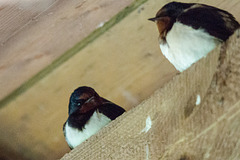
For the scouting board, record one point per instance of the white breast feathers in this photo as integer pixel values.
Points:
(186, 45)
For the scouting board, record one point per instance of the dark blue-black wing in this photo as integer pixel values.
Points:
(111, 110)
(216, 22)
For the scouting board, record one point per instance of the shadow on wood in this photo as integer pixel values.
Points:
(194, 116)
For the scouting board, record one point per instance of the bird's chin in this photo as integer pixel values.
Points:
(161, 40)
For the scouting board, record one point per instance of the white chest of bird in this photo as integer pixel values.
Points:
(186, 45)
(75, 136)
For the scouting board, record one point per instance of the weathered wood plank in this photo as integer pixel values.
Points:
(210, 130)
(123, 65)
(35, 33)
(16, 14)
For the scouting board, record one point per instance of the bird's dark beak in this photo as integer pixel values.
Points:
(93, 101)
(91, 104)
(152, 19)
(90, 99)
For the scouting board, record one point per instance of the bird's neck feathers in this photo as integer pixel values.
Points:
(164, 24)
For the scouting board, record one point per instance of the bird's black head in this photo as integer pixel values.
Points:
(166, 17)
(171, 10)
(83, 98)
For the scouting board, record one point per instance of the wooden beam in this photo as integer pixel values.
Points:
(124, 65)
(160, 127)
(117, 70)
(36, 33)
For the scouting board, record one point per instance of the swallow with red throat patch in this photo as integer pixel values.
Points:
(189, 31)
(88, 113)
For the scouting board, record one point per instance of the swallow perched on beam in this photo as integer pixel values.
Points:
(88, 113)
(189, 31)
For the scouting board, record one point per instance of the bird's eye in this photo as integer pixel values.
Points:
(79, 102)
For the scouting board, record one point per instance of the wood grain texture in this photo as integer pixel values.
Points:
(107, 65)
(35, 33)
(211, 129)
(124, 65)
(15, 14)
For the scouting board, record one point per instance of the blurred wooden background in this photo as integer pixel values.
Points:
(34, 33)
(124, 65)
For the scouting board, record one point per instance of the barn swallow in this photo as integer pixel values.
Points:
(189, 31)
(87, 114)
